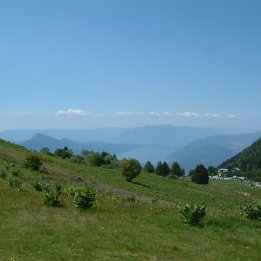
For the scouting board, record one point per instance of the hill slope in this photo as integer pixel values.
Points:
(249, 161)
(146, 228)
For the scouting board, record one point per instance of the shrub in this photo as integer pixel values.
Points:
(43, 170)
(33, 161)
(252, 211)
(38, 186)
(70, 192)
(84, 197)
(57, 187)
(14, 183)
(52, 197)
(199, 175)
(64, 153)
(192, 214)
(16, 172)
(131, 199)
(130, 168)
(2, 174)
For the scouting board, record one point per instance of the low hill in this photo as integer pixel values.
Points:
(38, 141)
(137, 220)
(249, 161)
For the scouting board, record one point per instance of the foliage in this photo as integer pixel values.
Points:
(52, 197)
(148, 167)
(64, 153)
(176, 170)
(46, 150)
(98, 159)
(33, 161)
(78, 159)
(94, 159)
(251, 211)
(199, 175)
(70, 192)
(2, 174)
(84, 197)
(38, 186)
(16, 172)
(162, 169)
(212, 171)
(130, 168)
(131, 198)
(15, 183)
(193, 214)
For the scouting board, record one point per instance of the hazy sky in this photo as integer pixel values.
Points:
(84, 64)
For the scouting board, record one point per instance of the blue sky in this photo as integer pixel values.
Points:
(87, 64)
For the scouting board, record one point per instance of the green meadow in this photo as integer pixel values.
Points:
(138, 220)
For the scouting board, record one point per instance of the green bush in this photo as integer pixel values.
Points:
(52, 197)
(252, 211)
(14, 183)
(70, 192)
(192, 214)
(2, 174)
(33, 161)
(16, 172)
(38, 186)
(131, 199)
(84, 197)
(130, 168)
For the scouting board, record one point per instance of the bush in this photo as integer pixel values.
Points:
(70, 192)
(16, 172)
(52, 197)
(84, 197)
(199, 175)
(2, 174)
(14, 183)
(252, 211)
(130, 169)
(33, 161)
(131, 199)
(38, 186)
(64, 153)
(192, 214)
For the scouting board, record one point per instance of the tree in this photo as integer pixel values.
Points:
(176, 170)
(63, 153)
(45, 150)
(162, 169)
(212, 171)
(33, 161)
(130, 168)
(148, 167)
(199, 175)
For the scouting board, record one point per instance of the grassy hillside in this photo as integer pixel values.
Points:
(249, 161)
(119, 227)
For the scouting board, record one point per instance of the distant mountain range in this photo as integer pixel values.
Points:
(187, 145)
(38, 141)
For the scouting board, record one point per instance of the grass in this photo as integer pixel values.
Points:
(119, 228)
